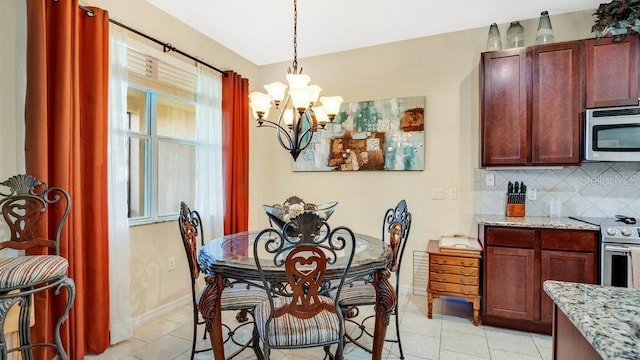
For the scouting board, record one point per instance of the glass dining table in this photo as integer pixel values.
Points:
(231, 257)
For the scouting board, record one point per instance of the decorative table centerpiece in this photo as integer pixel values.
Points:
(280, 215)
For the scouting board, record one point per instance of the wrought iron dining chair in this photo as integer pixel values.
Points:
(28, 200)
(296, 314)
(238, 295)
(360, 292)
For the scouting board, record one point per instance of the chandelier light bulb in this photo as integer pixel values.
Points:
(301, 97)
(320, 114)
(331, 105)
(260, 104)
(315, 93)
(288, 117)
(298, 80)
(276, 90)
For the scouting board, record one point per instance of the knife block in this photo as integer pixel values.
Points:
(516, 210)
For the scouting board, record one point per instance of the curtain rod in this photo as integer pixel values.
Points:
(166, 47)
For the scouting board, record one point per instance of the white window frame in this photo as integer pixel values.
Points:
(151, 196)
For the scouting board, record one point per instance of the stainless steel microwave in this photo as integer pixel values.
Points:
(613, 134)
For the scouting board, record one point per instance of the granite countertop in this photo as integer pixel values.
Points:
(602, 314)
(535, 222)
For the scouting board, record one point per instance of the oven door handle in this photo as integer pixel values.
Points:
(617, 248)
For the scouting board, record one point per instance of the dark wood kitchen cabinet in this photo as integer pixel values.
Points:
(566, 255)
(531, 105)
(557, 103)
(517, 261)
(612, 72)
(505, 111)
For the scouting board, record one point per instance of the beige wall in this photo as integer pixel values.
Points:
(442, 68)
(445, 70)
(12, 85)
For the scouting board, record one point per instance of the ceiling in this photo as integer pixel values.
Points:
(262, 30)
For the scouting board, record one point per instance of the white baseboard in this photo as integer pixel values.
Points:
(185, 300)
(162, 310)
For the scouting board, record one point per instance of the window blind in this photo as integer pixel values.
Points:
(151, 72)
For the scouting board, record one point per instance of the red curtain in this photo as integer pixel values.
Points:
(235, 155)
(66, 146)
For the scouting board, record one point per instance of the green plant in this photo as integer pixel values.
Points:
(617, 18)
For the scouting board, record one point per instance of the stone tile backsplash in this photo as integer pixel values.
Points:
(593, 190)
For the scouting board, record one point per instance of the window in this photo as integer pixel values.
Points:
(161, 138)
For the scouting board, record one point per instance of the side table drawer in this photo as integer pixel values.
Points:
(454, 279)
(453, 288)
(451, 269)
(456, 261)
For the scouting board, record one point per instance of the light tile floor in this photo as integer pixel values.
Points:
(450, 335)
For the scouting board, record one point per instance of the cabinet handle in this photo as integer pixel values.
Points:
(467, 281)
(440, 261)
(467, 273)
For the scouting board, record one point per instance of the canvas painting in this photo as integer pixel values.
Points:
(374, 135)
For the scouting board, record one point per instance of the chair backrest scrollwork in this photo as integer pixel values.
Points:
(305, 257)
(395, 228)
(23, 207)
(190, 226)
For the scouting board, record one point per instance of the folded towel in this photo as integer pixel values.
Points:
(635, 267)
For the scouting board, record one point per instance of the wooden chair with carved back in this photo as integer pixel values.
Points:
(30, 210)
(238, 296)
(294, 264)
(360, 292)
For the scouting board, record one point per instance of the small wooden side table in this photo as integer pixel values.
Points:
(455, 274)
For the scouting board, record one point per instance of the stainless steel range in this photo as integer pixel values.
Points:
(618, 236)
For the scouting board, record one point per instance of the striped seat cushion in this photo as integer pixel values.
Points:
(31, 270)
(290, 331)
(358, 294)
(239, 297)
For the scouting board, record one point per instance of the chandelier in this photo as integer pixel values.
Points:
(298, 114)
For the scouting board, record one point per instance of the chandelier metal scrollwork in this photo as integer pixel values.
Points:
(299, 115)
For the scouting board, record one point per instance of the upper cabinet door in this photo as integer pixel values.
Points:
(612, 72)
(505, 84)
(556, 104)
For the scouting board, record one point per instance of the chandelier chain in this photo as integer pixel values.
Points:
(295, 37)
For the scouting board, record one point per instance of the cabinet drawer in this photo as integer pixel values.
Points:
(453, 288)
(454, 279)
(573, 240)
(457, 261)
(451, 269)
(504, 236)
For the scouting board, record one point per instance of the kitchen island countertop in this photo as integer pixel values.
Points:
(535, 222)
(602, 314)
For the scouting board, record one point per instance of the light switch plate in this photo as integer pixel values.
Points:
(437, 193)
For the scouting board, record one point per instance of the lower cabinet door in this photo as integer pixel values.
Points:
(510, 282)
(564, 266)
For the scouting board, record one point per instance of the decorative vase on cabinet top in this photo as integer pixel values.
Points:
(494, 42)
(545, 31)
(515, 35)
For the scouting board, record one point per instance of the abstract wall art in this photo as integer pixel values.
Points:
(376, 135)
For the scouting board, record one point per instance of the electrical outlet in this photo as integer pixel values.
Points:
(171, 263)
(532, 194)
(490, 180)
(453, 193)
